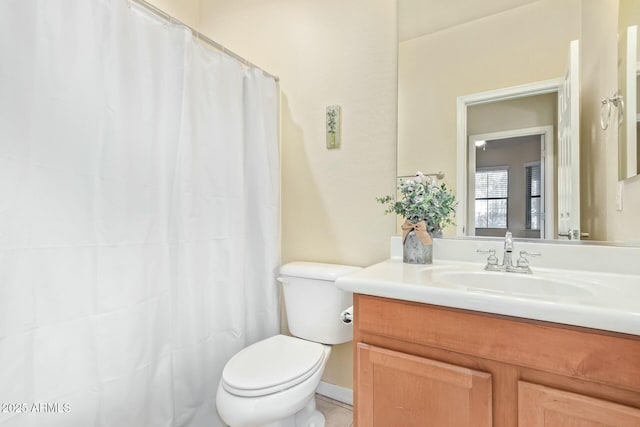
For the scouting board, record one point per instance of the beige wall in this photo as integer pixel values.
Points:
(600, 174)
(519, 113)
(599, 181)
(325, 53)
(623, 225)
(628, 14)
(598, 148)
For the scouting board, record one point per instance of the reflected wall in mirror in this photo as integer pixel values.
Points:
(628, 75)
(501, 44)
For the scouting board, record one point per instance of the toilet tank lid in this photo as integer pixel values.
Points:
(317, 270)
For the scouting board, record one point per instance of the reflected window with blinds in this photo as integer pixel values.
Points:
(492, 195)
(533, 196)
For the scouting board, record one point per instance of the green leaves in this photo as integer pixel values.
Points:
(331, 120)
(423, 199)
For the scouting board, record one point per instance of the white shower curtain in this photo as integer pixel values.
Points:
(139, 235)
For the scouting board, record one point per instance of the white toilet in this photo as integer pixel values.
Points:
(272, 383)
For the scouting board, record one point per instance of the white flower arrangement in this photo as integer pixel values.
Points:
(423, 200)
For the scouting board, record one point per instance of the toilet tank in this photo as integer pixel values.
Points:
(313, 303)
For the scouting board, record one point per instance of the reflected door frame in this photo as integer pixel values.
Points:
(547, 231)
(463, 102)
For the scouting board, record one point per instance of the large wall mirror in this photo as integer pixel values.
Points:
(459, 50)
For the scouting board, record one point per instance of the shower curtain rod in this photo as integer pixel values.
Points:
(198, 35)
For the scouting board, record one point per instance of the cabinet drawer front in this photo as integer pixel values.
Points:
(580, 353)
(540, 406)
(396, 388)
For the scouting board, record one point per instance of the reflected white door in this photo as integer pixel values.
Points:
(569, 149)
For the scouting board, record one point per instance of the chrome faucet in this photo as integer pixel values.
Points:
(507, 263)
(522, 264)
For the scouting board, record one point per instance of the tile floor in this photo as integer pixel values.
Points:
(336, 414)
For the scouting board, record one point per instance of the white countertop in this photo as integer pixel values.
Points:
(606, 301)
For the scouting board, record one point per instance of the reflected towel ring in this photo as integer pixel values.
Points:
(605, 110)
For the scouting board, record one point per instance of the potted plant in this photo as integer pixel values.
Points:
(427, 208)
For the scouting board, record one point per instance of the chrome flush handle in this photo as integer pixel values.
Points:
(346, 316)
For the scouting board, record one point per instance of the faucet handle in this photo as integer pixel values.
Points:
(492, 259)
(525, 253)
(524, 262)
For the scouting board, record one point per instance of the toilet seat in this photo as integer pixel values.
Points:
(272, 365)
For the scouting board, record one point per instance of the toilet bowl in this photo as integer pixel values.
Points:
(272, 383)
(278, 385)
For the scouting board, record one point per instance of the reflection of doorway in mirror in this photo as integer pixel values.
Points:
(508, 183)
(542, 104)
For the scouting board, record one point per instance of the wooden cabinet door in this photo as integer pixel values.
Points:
(398, 389)
(540, 406)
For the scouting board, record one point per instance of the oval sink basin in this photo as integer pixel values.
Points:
(513, 284)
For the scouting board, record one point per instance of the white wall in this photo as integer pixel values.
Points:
(325, 53)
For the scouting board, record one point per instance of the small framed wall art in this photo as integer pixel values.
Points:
(333, 126)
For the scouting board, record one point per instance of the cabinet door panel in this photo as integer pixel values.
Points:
(400, 389)
(540, 406)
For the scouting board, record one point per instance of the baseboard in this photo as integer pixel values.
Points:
(332, 391)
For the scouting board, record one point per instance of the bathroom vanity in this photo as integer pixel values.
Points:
(455, 367)
(428, 349)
